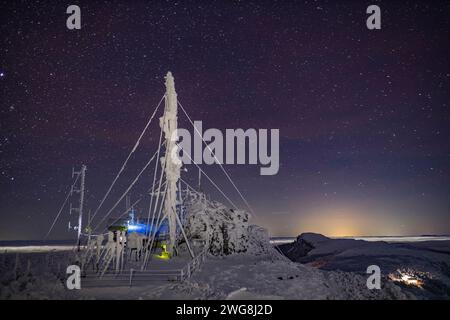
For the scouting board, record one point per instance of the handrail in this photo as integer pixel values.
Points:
(177, 274)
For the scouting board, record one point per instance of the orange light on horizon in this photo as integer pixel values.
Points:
(335, 222)
(344, 219)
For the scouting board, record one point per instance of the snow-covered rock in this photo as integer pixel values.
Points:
(303, 245)
(225, 231)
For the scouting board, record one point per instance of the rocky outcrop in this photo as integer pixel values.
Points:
(302, 245)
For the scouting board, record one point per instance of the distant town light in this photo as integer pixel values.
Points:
(410, 278)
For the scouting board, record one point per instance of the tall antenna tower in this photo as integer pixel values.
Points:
(80, 190)
(170, 163)
(171, 167)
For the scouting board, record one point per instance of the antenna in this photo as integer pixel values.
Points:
(80, 190)
(171, 166)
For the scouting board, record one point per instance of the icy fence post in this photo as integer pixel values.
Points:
(189, 270)
(181, 274)
(131, 276)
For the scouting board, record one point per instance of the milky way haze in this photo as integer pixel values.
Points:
(363, 115)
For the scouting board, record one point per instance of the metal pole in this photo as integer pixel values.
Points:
(80, 212)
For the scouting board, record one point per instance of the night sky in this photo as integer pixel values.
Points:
(363, 115)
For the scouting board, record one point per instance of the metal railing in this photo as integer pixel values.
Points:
(193, 265)
(130, 276)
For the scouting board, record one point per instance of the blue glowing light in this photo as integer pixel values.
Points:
(138, 227)
(144, 228)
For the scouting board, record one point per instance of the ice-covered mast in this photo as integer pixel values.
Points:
(171, 163)
(80, 190)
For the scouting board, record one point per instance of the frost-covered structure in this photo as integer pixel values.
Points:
(223, 230)
(170, 164)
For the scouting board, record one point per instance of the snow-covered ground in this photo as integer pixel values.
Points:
(332, 269)
(428, 262)
(236, 276)
(239, 276)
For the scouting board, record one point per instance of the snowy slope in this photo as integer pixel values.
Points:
(430, 258)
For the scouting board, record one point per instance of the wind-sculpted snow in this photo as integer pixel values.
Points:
(225, 231)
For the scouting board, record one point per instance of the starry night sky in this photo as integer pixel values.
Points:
(363, 115)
